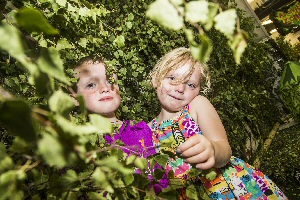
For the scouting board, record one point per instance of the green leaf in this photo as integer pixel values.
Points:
(291, 73)
(20, 146)
(73, 129)
(69, 178)
(63, 44)
(191, 192)
(113, 163)
(33, 20)
(130, 159)
(102, 123)
(165, 14)
(99, 175)
(210, 174)
(61, 2)
(161, 159)
(141, 163)
(203, 51)
(11, 42)
(61, 103)
(16, 115)
(197, 11)
(128, 179)
(6, 162)
(50, 63)
(213, 10)
(173, 185)
(82, 42)
(119, 41)
(225, 22)
(52, 151)
(9, 182)
(158, 173)
(238, 46)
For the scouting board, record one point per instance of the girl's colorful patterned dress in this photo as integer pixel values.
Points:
(236, 180)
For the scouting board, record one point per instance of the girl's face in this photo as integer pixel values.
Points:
(174, 96)
(100, 95)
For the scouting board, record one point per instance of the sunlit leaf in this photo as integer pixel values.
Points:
(61, 103)
(166, 14)
(141, 163)
(61, 2)
(202, 52)
(113, 163)
(99, 175)
(102, 123)
(213, 10)
(11, 42)
(225, 22)
(238, 45)
(119, 41)
(51, 63)
(63, 44)
(33, 20)
(197, 11)
(52, 151)
(73, 129)
(23, 125)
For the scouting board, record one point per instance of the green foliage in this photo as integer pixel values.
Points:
(47, 153)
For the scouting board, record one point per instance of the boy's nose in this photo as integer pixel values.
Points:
(104, 88)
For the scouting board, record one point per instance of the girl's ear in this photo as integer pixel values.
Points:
(154, 82)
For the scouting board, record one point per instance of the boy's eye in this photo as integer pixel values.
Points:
(91, 85)
(109, 81)
(191, 85)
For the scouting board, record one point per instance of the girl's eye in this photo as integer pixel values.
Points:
(91, 85)
(171, 78)
(191, 85)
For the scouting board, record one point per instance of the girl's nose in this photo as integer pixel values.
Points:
(180, 88)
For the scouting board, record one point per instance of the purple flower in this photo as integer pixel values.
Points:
(137, 139)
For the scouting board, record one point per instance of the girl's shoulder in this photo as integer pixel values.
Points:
(200, 106)
(199, 102)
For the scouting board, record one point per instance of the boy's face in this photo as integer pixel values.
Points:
(100, 95)
(174, 96)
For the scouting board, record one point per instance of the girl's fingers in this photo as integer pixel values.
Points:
(197, 158)
(206, 165)
(193, 151)
(189, 143)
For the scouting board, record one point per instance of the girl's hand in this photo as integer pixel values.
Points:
(198, 150)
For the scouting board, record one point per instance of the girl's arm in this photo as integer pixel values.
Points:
(212, 148)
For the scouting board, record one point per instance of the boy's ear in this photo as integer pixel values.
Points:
(73, 95)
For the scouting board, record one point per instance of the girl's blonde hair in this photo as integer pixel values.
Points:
(175, 59)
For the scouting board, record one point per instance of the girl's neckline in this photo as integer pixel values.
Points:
(155, 120)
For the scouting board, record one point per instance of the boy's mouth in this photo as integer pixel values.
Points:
(106, 98)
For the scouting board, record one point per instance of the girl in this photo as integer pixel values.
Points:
(189, 125)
